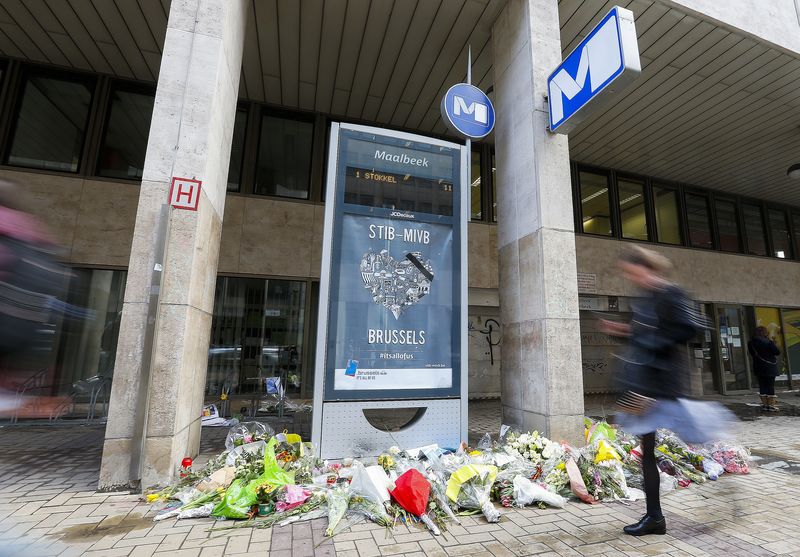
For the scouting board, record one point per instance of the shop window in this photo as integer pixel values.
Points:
(475, 187)
(754, 229)
(595, 203)
(698, 218)
(237, 150)
(87, 347)
(632, 209)
(779, 230)
(284, 157)
(727, 225)
(771, 319)
(668, 228)
(50, 124)
(125, 139)
(77, 350)
(257, 333)
(791, 331)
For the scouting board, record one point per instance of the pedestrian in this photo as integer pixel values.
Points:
(32, 283)
(765, 365)
(654, 375)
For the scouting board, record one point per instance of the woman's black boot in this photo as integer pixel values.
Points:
(648, 525)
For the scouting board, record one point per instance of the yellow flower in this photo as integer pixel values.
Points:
(152, 497)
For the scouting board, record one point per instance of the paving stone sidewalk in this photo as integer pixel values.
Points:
(48, 506)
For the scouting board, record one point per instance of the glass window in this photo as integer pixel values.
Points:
(284, 157)
(796, 231)
(50, 123)
(257, 332)
(727, 225)
(698, 218)
(791, 330)
(668, 228)
(237, 150)
(632, 209)
(754, 229)
(125, 139)
(595, 203)
(781, 239)
(475, 187)
(494, 190)
(73, 354)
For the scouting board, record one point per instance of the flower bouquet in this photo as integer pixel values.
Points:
(533, 446)
(733, 458)
(338, 499)
(470, 487)
(412, 491)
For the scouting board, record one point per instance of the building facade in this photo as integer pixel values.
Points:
(102, 105)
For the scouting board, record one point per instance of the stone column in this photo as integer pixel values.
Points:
(190, 137)
(542, 383)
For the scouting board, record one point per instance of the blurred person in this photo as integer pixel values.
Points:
(31, 282)
(765, 354)
(654, 375)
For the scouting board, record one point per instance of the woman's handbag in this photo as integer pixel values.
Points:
(634, 403)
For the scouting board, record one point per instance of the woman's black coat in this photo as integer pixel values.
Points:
(656, 363)
(765, 356)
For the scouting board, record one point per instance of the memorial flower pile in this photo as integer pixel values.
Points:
(264, 479)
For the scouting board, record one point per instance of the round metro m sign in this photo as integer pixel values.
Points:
(468, 111)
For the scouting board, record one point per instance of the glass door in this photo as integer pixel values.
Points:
(705, 379)
(732, 345)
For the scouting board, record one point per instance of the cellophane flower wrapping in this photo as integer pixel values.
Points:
(470, 487)
(735, 459)
(338, 500)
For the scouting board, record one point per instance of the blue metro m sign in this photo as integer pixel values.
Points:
(608, 55)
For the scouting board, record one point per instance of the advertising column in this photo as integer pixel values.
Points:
(392, 304)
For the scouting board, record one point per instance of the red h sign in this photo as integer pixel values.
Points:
(184, 193)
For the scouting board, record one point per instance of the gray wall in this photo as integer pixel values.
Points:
(709, 276)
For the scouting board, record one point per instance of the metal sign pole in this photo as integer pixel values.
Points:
(469, 141)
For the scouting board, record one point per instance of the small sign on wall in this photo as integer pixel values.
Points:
(587, 283)
(184, 193)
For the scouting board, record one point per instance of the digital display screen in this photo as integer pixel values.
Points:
(402, 192)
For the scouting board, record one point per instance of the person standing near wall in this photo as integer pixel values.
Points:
(765, 354)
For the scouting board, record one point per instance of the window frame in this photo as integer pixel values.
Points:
(246, 108)
(743, 201)
(715, 219)
(648, 205)
(705, 194)
(787, 217)
(24, 71)
(681, 209)
(110, 87)
(794, 213)
(271, 111)
(612, 199)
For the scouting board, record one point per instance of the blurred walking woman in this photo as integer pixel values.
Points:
(765, 365)
(654, 374)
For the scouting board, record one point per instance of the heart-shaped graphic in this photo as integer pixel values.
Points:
(397, 285)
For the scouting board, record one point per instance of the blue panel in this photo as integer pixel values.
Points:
(583, 79)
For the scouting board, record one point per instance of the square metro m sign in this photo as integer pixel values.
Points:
(608, 55)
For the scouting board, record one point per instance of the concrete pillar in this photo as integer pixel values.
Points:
(542, 383)
(190, 137)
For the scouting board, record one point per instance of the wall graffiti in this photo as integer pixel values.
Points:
(596, 366)
(491, 330)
